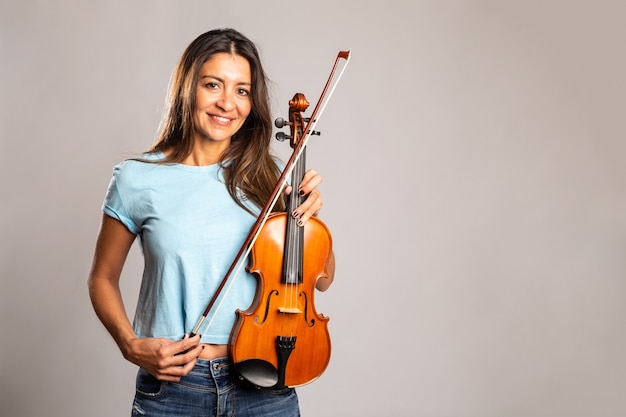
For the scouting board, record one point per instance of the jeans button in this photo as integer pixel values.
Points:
(216, 366)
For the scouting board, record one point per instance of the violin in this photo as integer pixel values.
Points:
(281, 340)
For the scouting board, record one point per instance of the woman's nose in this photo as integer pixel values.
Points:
(225, 102)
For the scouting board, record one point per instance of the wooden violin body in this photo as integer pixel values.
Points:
(281, 340)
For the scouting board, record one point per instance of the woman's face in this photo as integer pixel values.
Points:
(223, 98)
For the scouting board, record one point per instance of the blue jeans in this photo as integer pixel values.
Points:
(210, 389)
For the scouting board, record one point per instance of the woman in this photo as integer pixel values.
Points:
(192, 200)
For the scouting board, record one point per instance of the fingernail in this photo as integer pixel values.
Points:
(301, 192)
(300, 223)
(295, 214)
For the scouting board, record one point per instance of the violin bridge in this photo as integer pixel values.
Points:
(290, 310)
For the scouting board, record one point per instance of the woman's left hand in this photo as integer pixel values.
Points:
(312, 205)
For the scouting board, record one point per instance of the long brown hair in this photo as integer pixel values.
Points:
(250, 170)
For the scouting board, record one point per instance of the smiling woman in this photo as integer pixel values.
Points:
(192, 199)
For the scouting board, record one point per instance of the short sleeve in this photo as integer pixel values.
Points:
(113, 205)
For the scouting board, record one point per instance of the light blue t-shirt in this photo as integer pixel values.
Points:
(190, 231)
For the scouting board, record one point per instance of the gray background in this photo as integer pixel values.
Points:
(473, 158)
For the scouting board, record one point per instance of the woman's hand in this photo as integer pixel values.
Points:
(312, 205)
(164, 359)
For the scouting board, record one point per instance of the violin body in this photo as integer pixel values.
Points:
(281, 340)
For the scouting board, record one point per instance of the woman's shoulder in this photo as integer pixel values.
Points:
(142, 161)
(137, 167)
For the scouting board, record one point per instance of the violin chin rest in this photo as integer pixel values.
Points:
(258, 372)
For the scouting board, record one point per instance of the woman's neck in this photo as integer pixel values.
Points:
(206, 153)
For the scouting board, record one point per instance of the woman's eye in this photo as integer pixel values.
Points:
(244, 92)
(212, 85)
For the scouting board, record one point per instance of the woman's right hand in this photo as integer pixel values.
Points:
(164, 359)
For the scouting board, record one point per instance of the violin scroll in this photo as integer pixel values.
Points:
(296, 122)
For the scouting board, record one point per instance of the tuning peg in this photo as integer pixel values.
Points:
(282, 136)
(280, 122)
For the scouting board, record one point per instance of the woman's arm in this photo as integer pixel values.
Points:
(322, 284)
(163, 358)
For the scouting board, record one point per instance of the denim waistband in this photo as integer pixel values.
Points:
(216, 367)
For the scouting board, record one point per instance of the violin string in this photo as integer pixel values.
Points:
(288, 264)
(292, 254)
(298, 253)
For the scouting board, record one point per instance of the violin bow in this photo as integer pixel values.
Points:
(246, 247)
